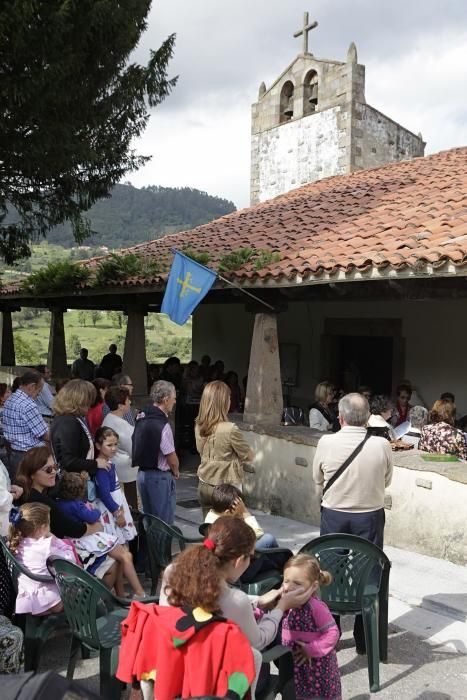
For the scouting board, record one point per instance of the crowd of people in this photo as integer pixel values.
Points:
(436, 430)
(81, 463)
(76, 477)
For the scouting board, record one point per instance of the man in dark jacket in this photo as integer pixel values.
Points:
(154, 453)
(111, 363)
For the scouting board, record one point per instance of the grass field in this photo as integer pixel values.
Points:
(163, 338)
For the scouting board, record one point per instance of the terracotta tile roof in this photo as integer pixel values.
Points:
(405, 218)
(402, 216)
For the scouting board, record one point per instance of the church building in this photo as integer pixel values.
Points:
(357, 265)
(314, 122)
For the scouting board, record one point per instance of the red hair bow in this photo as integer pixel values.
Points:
(209, 544)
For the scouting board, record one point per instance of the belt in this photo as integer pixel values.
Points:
(20, 452)
(156, 469)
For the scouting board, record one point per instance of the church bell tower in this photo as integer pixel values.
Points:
(314, 122)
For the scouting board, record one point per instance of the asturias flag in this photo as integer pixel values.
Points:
(188, 284)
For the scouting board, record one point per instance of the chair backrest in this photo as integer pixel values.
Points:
(204, 528)
(357, 566)
(84, 599)
(160, 538)
(16, 568)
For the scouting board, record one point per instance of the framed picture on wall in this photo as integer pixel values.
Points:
(289, 357)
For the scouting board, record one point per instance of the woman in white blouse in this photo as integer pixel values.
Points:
(118, 400)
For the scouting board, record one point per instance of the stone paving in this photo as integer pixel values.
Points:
(427, 612)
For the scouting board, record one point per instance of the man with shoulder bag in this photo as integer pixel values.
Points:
(355, 468)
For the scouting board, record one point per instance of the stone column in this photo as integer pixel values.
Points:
(7, 353)
(56, 356)
(134, 353)
(263, 402)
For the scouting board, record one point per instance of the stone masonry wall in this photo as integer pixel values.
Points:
(377, 139)
(298, 152)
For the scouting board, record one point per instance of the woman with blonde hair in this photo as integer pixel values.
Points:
(221, 445)
(70, 439)
(321, 415)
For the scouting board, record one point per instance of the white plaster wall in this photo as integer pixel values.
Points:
(429, 521)
(434, 331)
(298, 152)
(279, 484)
(435, 341)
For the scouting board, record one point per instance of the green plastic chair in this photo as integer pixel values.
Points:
(266, 580)
(160, 538)
(94, 614)
(360, 586)
(36, 628)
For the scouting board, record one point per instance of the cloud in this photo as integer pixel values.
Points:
(421, 90)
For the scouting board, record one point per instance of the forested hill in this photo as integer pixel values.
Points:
(133, 215)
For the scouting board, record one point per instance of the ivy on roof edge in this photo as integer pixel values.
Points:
(259, 257)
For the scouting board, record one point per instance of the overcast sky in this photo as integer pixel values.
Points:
(415, 53)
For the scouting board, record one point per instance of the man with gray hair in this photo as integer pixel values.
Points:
(354, 502)
(154, 453)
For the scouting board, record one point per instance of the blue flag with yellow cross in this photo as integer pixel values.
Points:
(188, 284)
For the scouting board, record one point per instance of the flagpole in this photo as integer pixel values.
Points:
(232, 284)
(241, 289)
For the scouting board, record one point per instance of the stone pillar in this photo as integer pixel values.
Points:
(7, 352)
(134, 353)
(263, 402)
(56, 356)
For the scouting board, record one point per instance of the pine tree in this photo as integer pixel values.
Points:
(71, 104)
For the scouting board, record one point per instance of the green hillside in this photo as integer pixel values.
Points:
(129, 216)
(133, 215)
(95, 330)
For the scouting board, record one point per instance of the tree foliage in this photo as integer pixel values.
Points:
(134, 215)
(71, 106)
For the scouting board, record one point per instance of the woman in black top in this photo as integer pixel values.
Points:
(36, 474)
(70, 439)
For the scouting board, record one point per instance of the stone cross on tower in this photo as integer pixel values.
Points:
(304, 30)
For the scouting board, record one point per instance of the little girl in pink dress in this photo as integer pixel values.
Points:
(312, 633)
(31, 542)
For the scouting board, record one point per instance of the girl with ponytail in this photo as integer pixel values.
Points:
(31, 542)
(200, 577)
(312, 632)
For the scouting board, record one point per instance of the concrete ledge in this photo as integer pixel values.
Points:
(301, 435)
(425, 504)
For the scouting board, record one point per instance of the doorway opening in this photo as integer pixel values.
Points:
(356, 351)
(367, 360)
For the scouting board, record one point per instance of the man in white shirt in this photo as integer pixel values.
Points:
(354, 504)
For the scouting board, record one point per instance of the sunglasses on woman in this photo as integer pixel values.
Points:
(49, 469)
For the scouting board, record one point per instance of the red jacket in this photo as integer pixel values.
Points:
(189, 653)
(95, 417)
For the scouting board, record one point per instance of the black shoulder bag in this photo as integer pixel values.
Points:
(344, 466)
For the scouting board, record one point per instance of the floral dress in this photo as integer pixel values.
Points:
(442, 438)
(314, 625)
